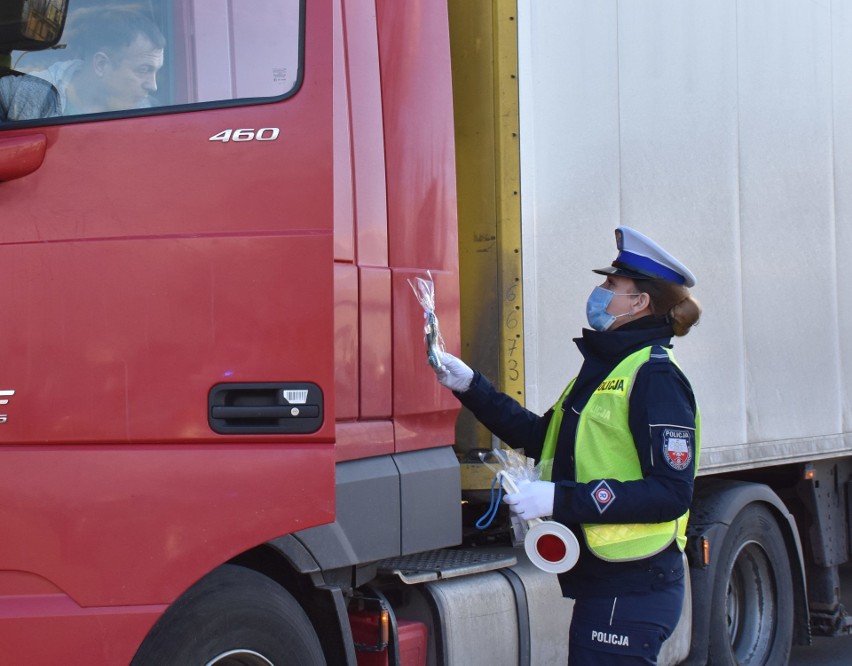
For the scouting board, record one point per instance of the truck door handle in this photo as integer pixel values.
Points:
(260, 412)
(21, 155)
(265, 408)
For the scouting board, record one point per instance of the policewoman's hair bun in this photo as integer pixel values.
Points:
(684, 315)
(672, 301)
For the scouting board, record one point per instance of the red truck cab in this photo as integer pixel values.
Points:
(211, 353)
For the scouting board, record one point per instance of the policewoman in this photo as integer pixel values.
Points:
(622, 443)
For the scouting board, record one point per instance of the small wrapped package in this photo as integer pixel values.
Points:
(424, 290)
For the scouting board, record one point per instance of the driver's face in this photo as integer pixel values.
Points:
(130, 74)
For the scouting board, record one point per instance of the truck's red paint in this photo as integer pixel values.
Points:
(145, 264)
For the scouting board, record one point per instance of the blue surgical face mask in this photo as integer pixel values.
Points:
(599, 318)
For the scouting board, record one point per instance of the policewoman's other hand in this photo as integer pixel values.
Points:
(454, 373)
(534, 499)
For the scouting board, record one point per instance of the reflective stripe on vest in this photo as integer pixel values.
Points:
(605, 419)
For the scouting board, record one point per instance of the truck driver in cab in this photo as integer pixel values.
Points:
(119, 52)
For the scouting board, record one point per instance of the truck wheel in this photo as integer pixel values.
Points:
(233, 617)
(751, 613)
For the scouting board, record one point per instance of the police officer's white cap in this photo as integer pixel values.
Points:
(641, 258)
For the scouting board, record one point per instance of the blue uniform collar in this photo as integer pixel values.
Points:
(614, 345)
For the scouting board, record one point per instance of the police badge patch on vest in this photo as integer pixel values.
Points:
(677, 447)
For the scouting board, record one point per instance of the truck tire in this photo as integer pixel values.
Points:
(751, 613)
(232, 617)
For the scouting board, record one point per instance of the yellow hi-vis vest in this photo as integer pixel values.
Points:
(605, 449)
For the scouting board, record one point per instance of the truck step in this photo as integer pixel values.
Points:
(441, 564)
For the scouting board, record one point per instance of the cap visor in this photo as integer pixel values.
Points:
(612, 270)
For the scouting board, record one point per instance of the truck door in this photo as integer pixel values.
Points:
(166, 254)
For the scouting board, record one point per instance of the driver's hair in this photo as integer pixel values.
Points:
(108, 29)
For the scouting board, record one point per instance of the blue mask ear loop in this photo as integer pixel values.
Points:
(488, 517)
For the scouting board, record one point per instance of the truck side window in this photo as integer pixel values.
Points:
(137, 57)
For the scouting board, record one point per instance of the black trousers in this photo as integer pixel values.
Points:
(625, 630)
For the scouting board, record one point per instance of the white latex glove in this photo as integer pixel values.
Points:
(454, 373)
(533, 499)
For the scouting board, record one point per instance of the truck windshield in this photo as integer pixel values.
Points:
(142, 56)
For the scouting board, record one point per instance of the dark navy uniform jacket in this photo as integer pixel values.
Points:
(661, 398)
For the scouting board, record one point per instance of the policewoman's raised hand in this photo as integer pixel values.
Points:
(534, 499)
(454, 373)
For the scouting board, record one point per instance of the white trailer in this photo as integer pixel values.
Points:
(725, 130)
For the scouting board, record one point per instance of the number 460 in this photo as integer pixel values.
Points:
(263, 134)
